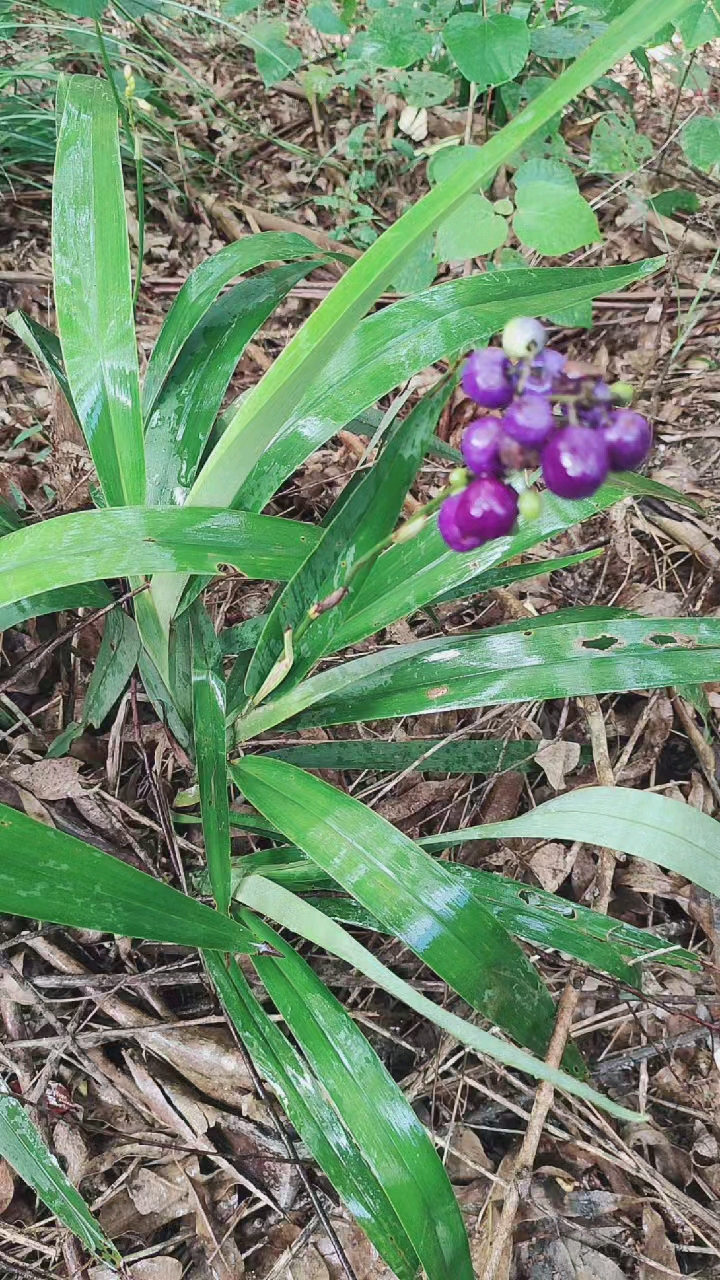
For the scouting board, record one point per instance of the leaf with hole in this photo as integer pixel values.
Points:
(616, 146)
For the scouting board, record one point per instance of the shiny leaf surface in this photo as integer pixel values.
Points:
(299, 915)
(415, 897)
(323, 1130)
(501, 664)
(391, 1138)
(23, 1147)
(89, 595)
(185, 409)
(427, 755)
(93, 295)
(202, 288)
(114, 543)
(408, 336)
(47, 875)
(208, 712)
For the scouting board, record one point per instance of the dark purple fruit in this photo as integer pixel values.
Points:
(486, 378)
(545, 370)
(447, 524)
(628, 437)
(481, 446)
(487, 509)
(575, 462)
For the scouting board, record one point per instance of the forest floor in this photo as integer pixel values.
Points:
(121, 1047)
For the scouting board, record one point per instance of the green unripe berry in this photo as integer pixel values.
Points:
(529, 504)
(523, 337)
(458, 479)
(622, 392)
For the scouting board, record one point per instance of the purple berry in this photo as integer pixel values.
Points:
(545, 370)
(481, 446)
(529, 420)
(486, 378)
(487, 509)
(523, 337)
(447, 524)
(628, 437)
(575, 462)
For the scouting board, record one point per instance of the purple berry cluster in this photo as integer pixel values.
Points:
(553, 411)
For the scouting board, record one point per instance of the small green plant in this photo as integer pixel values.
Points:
(181, 489)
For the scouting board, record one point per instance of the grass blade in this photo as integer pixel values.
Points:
(427, 755)
(117, 658)
(389, 1134)
(93, 294)
(415, 897)
(23, 1148)
(185, 409)
(302, 918)
(119, 542)
(201, 289)
(513, 663)
(47, 875)
(208, 712)
(641, 823)
(320, 1126)
(363, 520)
(88, 595)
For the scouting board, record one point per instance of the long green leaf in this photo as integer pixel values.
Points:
(93, 296)
(202, 288)
(503, 664)
(118, 542)
(293, 913)
(321, 1127)
(208, 711)
(257, 421)
(392, 1139)
(89, 595)
(641, 823)
(185, 408)
(45, 346)
(23, 1147)
(394, 344)
(429, 755)
(47, 875)
(117, 657)
(362, 521)
(506, 574)
(415, 897)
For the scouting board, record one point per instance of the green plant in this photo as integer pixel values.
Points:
(175, 504)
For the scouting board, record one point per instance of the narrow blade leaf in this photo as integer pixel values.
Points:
(389, 1134)
(415, 897)
(202, 288)
(323, 1130)
(119, 542)
(93, 295)
(208, 711)
(641, 823)
(23, 1148)
(47, 875)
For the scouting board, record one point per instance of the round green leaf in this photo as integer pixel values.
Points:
(470, 231)
(551, 216)
(488, 51)
(699, 24)
(275, 58)
(616, 146)
(392, 40)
